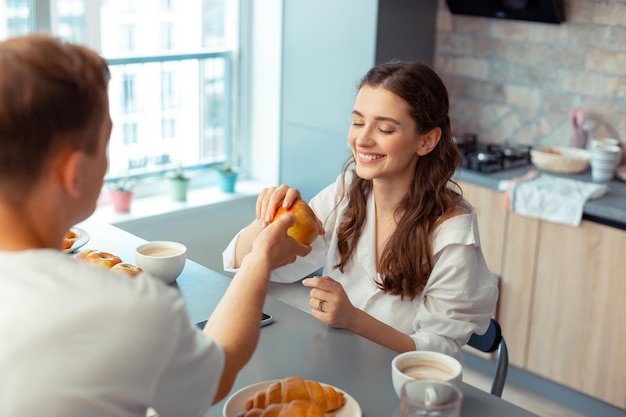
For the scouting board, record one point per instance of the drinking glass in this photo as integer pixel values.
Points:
(430, 398)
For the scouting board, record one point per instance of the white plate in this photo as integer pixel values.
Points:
(82, 237)
(237, 402)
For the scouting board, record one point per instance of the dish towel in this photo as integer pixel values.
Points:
(551, 198)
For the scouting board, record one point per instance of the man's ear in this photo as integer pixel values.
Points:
(429, 141)
(67, 166)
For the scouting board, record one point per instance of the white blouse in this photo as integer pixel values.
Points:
(458, 299)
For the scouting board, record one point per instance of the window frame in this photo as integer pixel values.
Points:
(41, 19)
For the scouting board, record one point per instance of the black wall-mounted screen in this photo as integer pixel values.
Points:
(547, 11)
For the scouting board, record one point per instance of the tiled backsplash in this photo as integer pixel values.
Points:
(518, 81)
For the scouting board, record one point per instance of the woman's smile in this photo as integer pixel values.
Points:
(369, 157)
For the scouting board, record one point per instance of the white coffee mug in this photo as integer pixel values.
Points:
(162, 259)
(430, 398)
(421, 364)
(604, 142)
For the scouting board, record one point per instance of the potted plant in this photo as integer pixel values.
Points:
(179, 185)
(227, 178)
(122, 194)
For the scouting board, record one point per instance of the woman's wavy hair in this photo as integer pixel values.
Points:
(406, 261)
(53, 96)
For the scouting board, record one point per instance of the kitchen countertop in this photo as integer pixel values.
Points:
(609, 209)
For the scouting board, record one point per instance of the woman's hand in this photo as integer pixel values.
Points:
(271, 198)
(330, 303)
(267, 203)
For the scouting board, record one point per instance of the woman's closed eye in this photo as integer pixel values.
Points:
(384, 131)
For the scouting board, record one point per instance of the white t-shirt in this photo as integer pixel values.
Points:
(458, 299)
(76, 340)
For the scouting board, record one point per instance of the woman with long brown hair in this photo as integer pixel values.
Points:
(401, 253)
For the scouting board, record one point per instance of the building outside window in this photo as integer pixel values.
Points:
(129, 100)
(167, 36)
(130, 133)
(172, 83)
(18, 16)
(168, 90)
(168, 128)
(127, 39)
(166, 5)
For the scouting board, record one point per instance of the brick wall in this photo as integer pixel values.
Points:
(518, 81)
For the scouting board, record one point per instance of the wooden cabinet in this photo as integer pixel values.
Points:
(562, 296)
(577, 332)
(517, 284)
(491, 222)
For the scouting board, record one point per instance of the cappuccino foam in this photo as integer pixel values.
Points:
(160, 251)
(428, 369)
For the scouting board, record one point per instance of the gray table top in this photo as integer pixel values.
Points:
(298, 344)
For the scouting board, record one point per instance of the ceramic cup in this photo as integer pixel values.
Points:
(419, 398)
(604, 160)
(419, 365)
(162, 259)
(604, 142)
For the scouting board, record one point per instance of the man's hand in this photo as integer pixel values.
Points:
(278, 248)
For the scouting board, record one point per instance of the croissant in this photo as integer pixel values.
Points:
(295, 388)
(295, 408)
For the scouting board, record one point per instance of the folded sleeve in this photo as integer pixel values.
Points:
(228, 256)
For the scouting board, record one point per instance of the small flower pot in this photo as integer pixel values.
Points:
(227, 181)
(121, 200)
(179, 188)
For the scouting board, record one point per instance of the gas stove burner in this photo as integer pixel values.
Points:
(491, 157)
(466, 143)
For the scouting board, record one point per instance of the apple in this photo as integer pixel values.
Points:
(305, 229)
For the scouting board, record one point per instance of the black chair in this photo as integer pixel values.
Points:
(490, 342)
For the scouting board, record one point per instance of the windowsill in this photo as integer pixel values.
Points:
(151, 206)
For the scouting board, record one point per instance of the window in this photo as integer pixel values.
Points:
(127, 38)
(17, 20)
(168, 90)
(166, 5)
(129, 103)
(172, 65)
(130, 133)
(167, 42)
(168, 128)
(71, 20)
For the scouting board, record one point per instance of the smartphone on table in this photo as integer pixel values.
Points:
(265, 320)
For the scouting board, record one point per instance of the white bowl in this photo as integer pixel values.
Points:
(162, 259)
(422, 364)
